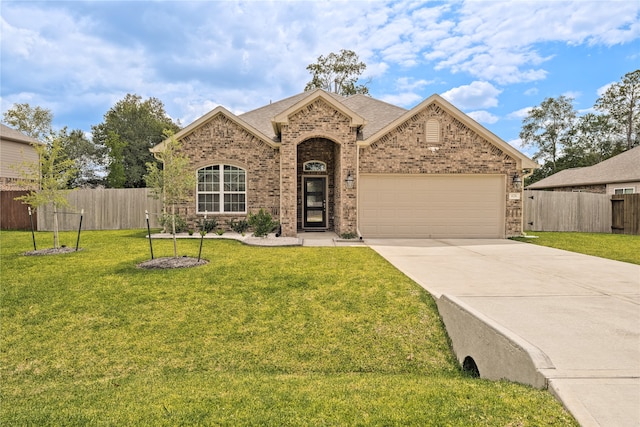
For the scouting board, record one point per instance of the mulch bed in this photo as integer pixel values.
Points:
(180, 262)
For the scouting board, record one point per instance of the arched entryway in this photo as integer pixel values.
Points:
(317, 160)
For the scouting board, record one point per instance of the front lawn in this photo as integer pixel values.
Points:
(620, 247)
(259, 336)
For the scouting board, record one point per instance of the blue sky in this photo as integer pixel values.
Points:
(492, 59)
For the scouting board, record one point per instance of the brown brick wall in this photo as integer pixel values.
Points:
(222, 141)
(323, 150)
(459, 151)
(14, 184)
(320, 132)
(318, 120)
(599, 189)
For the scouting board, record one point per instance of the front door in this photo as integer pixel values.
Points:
(315, 202)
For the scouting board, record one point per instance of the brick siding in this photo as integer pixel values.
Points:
(459, 150)
(222, 141)
(319, 131)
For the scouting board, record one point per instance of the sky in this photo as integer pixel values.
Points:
(492, 59)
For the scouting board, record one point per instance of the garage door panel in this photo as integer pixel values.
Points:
(431, 206)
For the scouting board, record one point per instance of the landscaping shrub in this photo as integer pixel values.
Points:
(262, 223)
(239, 225)
(207, 225)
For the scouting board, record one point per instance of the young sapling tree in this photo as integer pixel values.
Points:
(174, 181)
(48, 180)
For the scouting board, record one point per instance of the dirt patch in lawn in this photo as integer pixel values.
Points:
(171, 262)
(51, 251)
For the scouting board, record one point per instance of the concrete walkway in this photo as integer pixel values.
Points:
(326, 238)
(582, 312)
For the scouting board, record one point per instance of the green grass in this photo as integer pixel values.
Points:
(619, 247)
(259, 336)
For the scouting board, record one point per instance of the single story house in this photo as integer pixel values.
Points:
(617, 175)
(15, 148)
(356, 165)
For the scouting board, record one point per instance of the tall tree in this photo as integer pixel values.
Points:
(85, 155)
(32, 121)
(75, 146)
(52, 173)
(594, 141)
(337, 73)
(549, 127)
(174, 181)
(621, 101)
(138, 125)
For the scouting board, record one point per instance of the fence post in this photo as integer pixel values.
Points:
(33, 235)
(146, 214)
(79, 228)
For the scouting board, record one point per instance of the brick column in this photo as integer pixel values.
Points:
(288, 187)
(348, 196)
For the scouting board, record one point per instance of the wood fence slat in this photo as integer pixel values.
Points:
(626, 214)
(14, 215)
(567, 211)
(104, 209)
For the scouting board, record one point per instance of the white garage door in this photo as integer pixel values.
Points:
(432, 206)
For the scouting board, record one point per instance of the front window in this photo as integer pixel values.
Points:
(221, 189)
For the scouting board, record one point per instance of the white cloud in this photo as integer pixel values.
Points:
(408, 83)
(475, 95)
(602, 89)
(519, 114)
(572, 94)
(482, 116)
(406, 99)
(498, 41)
(532, 91)
(85, 56)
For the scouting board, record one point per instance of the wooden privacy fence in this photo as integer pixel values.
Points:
(14, 215)
(625, 215)
(104, 209)
(567, 211)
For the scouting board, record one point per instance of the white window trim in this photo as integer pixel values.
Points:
(623, 190)
(221, 192)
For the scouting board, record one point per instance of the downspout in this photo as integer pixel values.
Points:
(358, 186)
(525, 174)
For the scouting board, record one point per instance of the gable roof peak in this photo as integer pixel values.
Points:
(333, 99)
(526, 163)
(219, 110)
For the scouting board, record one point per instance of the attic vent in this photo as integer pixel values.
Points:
(432, 131)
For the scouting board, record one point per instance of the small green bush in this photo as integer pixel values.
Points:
(262, 223)
(207, 225)
(239, 225)
(181, 223)
(350, 235)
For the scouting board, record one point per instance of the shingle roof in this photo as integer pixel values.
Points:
(621, 168)
(377, 113)
(11, 134)
(376, 118)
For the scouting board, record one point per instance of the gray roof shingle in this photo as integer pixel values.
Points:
(377, 113)
(621, 168)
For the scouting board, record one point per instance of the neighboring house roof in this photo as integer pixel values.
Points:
(374, 117)
(10, 134)
(621, 168)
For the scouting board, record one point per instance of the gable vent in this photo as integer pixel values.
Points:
(432, 131)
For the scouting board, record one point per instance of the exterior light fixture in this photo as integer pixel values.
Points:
(348, 182)
(516, 181)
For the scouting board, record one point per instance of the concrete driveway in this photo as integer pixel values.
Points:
(581, 312)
